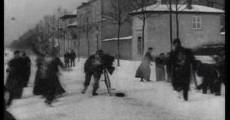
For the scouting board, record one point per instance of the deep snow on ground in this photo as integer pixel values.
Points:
(143, 100)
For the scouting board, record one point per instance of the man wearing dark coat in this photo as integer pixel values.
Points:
(67, 59)
(181, 61)
(210, 78)
(14, 81)
(93, 67)
(72, 58)
(26, 68)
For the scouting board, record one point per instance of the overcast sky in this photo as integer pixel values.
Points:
(28, 12)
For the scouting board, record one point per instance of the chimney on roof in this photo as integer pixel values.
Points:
(189, 4)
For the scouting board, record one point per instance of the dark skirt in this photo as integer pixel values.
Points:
(39, 85)
(160, 72)
(143, 70)
(53, 85)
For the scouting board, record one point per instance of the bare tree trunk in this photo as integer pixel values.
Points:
(170, 22)
(143, 28)
(87, 35)
(78, 48)
(118, 44)
(118, 34)
(177, 20)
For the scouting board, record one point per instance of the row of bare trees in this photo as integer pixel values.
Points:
(120, 14)
(44, 35)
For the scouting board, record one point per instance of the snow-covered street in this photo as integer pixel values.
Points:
(143, 100)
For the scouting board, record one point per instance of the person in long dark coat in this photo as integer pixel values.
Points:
(72, 58)
(181, 61)
(40, 77)
(67, 59)
(160, 67)
(26, 68)
(144, 70)
(53, 85)
(14, 81)
(210, 78)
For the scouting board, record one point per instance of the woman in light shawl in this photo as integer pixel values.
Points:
(144, 70)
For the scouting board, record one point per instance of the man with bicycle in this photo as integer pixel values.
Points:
(94, 66)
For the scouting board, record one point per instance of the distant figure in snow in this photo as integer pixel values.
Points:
(144, 70)
(67, 59)
(26, 64)
(181, 61)
(72, 58)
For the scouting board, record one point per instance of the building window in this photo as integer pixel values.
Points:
(139, 41)
(196, 22)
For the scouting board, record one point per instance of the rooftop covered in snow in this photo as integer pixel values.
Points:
(73, 25)
(69, 15)
(182, 8)
(121, 38)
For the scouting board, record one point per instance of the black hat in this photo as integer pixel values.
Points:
(100, 52)
(16, 52)
(177, 40)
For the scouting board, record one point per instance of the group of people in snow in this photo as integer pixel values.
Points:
(181, 66)
(46, 82)
(69, 58)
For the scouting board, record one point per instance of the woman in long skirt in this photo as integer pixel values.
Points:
(53, 84)
(40, 78)
(144, 70)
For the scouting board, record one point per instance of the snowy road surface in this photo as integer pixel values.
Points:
(143, 101)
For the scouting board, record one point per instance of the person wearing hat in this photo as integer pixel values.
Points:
(72, 58)
(93, 67)
(52, 84)
(181, 61)
(14, 82)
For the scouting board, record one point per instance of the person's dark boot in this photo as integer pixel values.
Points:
(95, 94)
(142, 80)
(48, 102)
(84, 90)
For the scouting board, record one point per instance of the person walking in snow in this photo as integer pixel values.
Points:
(144, 70)
(14, 82)
(67, 59)
(181, 60)
(52, 84)
(72, 58)
(40, 77)
(26, 68)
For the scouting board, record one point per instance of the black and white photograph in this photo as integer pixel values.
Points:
(114, 60)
